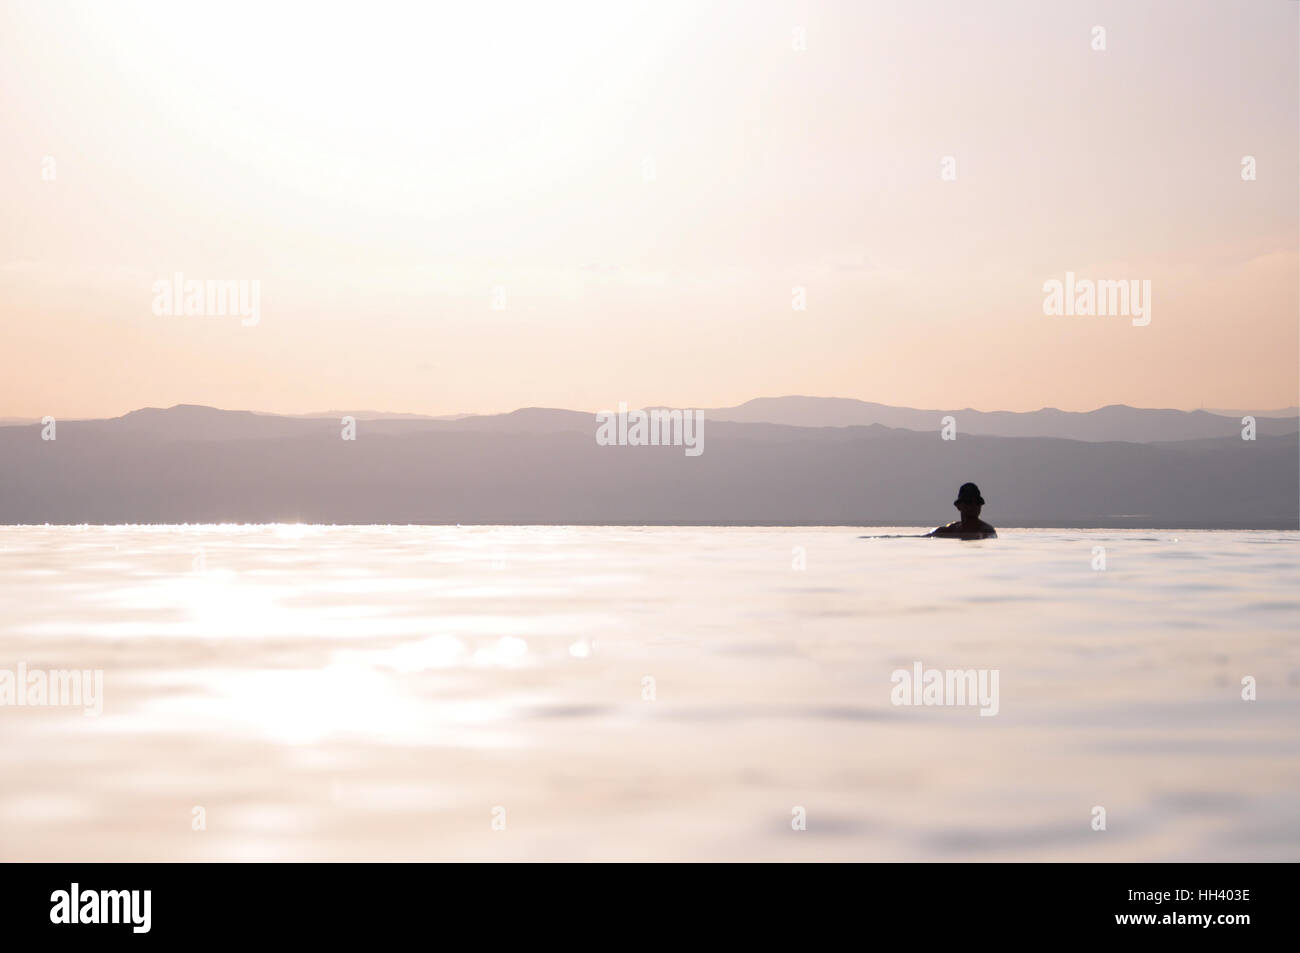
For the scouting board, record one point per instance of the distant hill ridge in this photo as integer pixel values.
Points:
(543, 466)
(1116, 422)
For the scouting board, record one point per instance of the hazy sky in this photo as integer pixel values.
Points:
(646, 183)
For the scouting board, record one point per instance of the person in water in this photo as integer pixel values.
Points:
(970, 526)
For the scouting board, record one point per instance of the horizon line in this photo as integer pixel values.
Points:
(17, 420)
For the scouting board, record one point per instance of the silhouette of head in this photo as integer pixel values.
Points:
(969, 502)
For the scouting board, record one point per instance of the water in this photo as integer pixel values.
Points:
(387, 693)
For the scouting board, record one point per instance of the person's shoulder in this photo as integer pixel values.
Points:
(985, 527)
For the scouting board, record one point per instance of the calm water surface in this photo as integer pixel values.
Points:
(659, 693)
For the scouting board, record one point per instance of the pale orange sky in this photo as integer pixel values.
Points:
(380, 172)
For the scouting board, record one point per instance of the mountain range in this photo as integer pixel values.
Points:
(782, 461)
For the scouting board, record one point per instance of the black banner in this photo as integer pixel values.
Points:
(140, 903)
